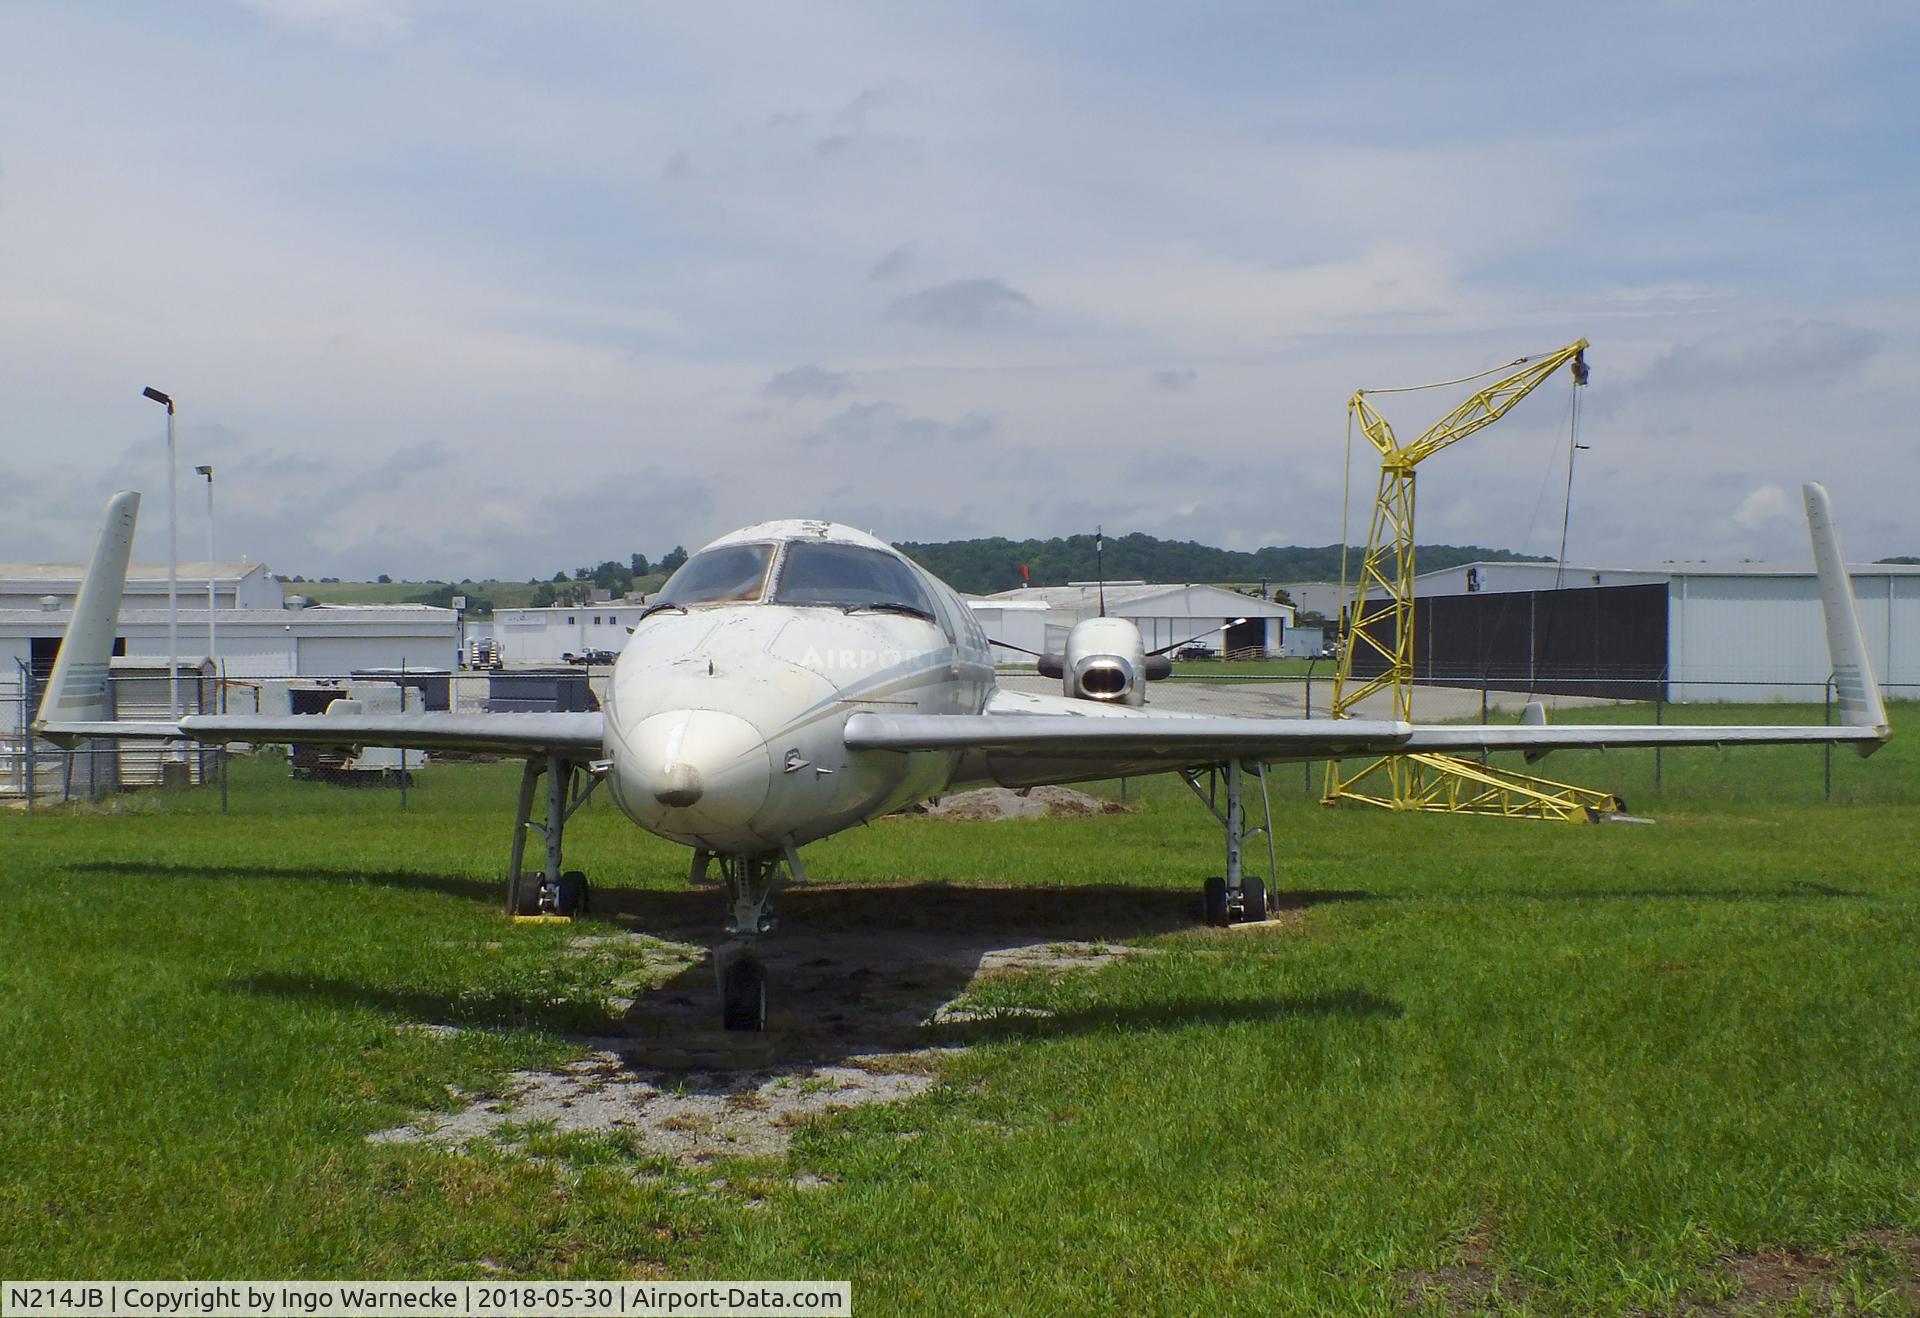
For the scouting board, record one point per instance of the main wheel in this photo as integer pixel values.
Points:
(743, 995)
(524, 899)
(1213, 900)
(572, 895)
(1253, 898)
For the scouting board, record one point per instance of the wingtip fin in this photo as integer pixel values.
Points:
(77, 691)
(1853, 679)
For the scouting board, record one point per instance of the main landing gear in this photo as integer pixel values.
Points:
(750, 882)
(1238, 897)
(549, 893)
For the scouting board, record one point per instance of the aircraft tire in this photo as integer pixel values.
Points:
(1213, 900)
(573, 894)
(743, 995)
(525, 897)
(1253, 899)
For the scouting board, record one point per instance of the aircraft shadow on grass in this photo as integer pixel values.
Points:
(450, 884)
(864, 970)
(642, 904)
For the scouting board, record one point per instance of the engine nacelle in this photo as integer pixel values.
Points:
(1106, 660)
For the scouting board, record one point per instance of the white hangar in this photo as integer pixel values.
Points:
(1039, 617)
(548, 634)
(1706, 631)
(257, 636)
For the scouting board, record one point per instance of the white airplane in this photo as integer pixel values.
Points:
(796, 678)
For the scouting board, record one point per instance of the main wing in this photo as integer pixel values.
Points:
(1035, 739)
(77, 705)
(574, 735)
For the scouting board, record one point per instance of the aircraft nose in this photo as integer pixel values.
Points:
(697, 769)
(678, 785)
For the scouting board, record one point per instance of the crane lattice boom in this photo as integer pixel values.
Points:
(1380, 618)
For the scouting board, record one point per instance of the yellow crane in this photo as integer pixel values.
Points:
(1380, 624)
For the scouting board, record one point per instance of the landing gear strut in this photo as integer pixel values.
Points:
(549, 892)
(750, 882)
(1239, 897)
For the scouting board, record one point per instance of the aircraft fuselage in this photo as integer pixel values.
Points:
(724, 723)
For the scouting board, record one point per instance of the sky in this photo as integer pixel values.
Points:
(448, 290)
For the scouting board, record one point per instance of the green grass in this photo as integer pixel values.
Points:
(1587, 1062)
(381, 592)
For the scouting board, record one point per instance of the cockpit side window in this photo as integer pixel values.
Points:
(730, 574)
(849, 576)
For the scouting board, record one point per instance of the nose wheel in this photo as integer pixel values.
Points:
(743, 994)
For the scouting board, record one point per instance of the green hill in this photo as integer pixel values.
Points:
(978, 567)
(983, 566)
(483, 597)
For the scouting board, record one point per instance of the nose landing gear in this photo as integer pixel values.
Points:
(750, 881)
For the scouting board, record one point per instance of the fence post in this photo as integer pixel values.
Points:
(1659, 717)
(1826, 693)
(403, 750)
(1306, 767)
(222, 703)
(26, 724)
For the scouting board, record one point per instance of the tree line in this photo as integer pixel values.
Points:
(612, 576)
(984, 565)
(577, 587)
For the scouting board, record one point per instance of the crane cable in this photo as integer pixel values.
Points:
(1465, 379)
(1566, 508)
(1526, 540)
(1346, 503)
(1560, 568)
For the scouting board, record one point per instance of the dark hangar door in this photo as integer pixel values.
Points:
(1592, 641)
(1249, 635)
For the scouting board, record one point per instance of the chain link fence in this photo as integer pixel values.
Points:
(34, 771)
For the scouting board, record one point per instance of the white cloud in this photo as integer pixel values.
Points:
(1762, 506)
(350, 230)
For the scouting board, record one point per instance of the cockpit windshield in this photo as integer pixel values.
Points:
(730, 574)
(851, 577)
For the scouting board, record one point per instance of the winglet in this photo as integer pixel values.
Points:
(77, 692)
(1534, 716)
(1853, 682)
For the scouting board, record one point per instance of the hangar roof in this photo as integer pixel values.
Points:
(1507, 575)
(1145, 600)
(70, 573)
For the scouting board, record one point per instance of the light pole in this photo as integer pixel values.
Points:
(213, 650)
(173, 564)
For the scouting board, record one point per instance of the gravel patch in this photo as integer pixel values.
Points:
(863, 1011)
(690, 1116)
(991, 803)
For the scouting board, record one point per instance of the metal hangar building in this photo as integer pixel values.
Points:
(1674, 631)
